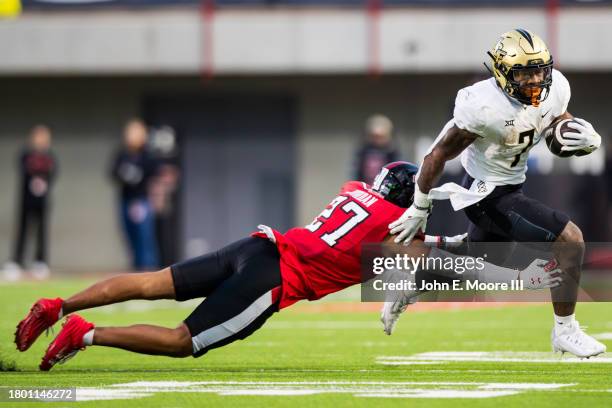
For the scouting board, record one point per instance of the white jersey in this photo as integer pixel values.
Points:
(507, 129)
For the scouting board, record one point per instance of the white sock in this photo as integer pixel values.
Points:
(564, 321)
(88, 338)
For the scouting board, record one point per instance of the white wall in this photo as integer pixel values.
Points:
(280, 40)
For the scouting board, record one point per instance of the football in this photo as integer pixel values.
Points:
(555, 138)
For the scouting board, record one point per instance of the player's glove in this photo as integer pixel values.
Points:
(413, 219)
(396, 301)
(585, 138)
(541, 274)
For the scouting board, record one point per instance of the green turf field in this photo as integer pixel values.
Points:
(440, 358)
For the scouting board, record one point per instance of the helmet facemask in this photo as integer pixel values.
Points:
(530, 94)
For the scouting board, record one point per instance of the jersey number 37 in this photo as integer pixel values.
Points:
(357, 216)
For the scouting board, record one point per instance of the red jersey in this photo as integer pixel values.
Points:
(325, 256)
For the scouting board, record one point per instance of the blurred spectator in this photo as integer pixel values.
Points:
(132, 170)
(37, 171)
(163, 193)
(377, 149)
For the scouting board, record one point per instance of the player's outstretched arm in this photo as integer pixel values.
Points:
(539, 274)
(415, 218)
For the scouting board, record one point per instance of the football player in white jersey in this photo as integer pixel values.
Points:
(496, 123)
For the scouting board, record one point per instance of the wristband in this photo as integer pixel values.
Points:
(421, 200)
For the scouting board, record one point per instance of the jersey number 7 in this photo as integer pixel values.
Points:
(358, 215)
(529, 134)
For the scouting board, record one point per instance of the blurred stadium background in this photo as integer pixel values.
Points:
(268, 100)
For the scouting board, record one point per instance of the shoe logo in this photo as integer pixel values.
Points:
(546, 113)
(509, 122)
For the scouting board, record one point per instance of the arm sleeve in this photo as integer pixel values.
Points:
(468, 113)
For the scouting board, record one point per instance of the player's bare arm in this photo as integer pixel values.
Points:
(450, 146)
(415, 218)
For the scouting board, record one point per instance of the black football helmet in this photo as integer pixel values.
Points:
(395, 183)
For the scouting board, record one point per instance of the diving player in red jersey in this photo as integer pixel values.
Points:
(243, 283)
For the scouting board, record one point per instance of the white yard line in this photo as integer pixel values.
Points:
(441, 394)
(442, 357)
(369, 389)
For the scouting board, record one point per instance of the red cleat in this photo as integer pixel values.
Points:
(42, 316)
(68, 342)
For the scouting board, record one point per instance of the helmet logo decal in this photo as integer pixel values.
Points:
(499, 47)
